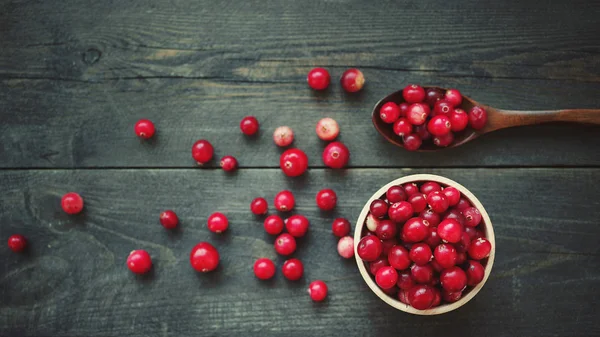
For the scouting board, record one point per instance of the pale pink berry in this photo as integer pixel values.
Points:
(345, 247)
(327, 129)
(283, 136)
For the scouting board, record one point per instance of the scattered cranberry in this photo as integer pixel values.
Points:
(395, 194)
(202, 151)
(326, 199)
(293, 162)
(259, 206)
(402, 127)
(386, 230)
(445, 255)
(459, 120)
(439, 125)
(433, 239)
(168, 219)
(415, 229)
(412, 142)
(432, 95)
(454, 97)
(463, 203)
(369, 248)
(217, 222)
(72, 203)
(284, 201)
(318, 78)
(273, 224)
(264, 268)
(378, 208)
(421, 297)
(336, 155)
(400, 212)
(204, 257)
(139, 261)
(285, 244)
(378, 264)
(144, 128)
(421, 274)
(413, 93)
(477, 117)
(475, 273)
(443, 141)
(417, 113)
(480, 249)
(228, 163)
(437, 201)
(340, 227)
(17, 243)
(283, 136)
(386, 277)
(293, 269)
(453, 279)
(418, 202)
(450, 230)
(352, 80)
(345, 247)
(472, 216)
(399, 257)
(389, 112)
(420, 253)
(432, 217)
(317, 290)
(403, 108)
(327, 129)
(451, 297)
(297, 225)
(452, 195)
(442, 107)
(249, 125)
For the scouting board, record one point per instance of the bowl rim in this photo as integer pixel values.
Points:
(488, 229)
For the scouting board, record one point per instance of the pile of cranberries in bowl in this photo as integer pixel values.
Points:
(424, 244)
(432, 115)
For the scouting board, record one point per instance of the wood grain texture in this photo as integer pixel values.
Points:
(74, 280)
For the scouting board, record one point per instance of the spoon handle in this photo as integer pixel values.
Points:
(516, 118)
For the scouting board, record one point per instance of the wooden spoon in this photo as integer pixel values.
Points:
(497, 119)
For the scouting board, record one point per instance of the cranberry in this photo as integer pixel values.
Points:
(442, 107)
(451, 297)
(386, 230)
(284, 201)
(410, 189)
(443, 141)
(204, 257)
(463, 203)
(386, 246)
(445, 255)
(413, 93)
(144, 128)
(317, 290)
(456, 215)
(217, 222)
(430, 186)
(340, 227)
(432, 238)
(72, 203)
(421, 297)
(378, 208)
(318, 78)
(327, 129)
(292, 269)
(480, 249)
(259, 206)
(403, 108)
(450, 230)
(378, 264)
(326, 199)
(464, 243)
(17, 243)
(421, 131)
(418, 202)
(475, 273)
(420, 253)
(352, 80)
(389, 112)
(412, 142)
(461, 257)
(293, 162)
(228, 163)
(405, 281)
(202, 151)
(432, 95)
(273, 224)
(472, 216)
(297, 225)
(452, 195)
(264, 268)
(139, 261)
(400, 211)
(285, 244)
(399, 257)
(395, 194)
(432, 217)
(336, 155)
(453, 279)
(369, 248)
(372, 222)
(454, 97)
(439, 125)
(403, 296)
(415, 229)
(345, 247)
(421, 274)
(437, 201)
(459, 120)
(417, 113)
(402, 127)
(436, 266)
(249, 125)
(437, 299)
(477, 117)
(473, 233)
(168, 219)
(283, 136)
(386, 277)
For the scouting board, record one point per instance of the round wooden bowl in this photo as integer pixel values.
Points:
(486, 226)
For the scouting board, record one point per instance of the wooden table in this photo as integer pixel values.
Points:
(76, 75)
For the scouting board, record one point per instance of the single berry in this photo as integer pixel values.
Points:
(336, 155)
(386, 230)
(480, 249)
(283, 136)
(399, 257)
(293, 162)
(432, 95)
(259, 206)
(418, 202)
(420, 253)
(340, 227)
(439, 125)
(264, 268)
(249, 125)
(453, 279)
(297, 225)
(395, 194)
(317, 290)
(217, 222)
(345, 247)
(389, 112)
(386, 277)
(284, 201)
(403, 108)
(415, 230)
(139, 261)
(352, 80)
(228, 163)
(413, 93)
(326, 199)
(477, 117)
(443, 141)
(378, 208)
(456, 215)
(421, 274)
(461, 257)
(463, 203)
(72, 203)
(273, 224)
(445, 255)
(369, 248)
(421, 297)
(202, 151)
(327, 129)
(378, 264)
(459, 120)
(450, 230)
(452, 194)
(421, 131)
(405, 281)
(372, 222)
(433, 239)
(204, 257)
(412, 142)
(318, 78)
(144, 128)
(475, 273)
(437, 201)
(432, 217)
(400, 212)
(451, 297)
(402, 127)
(442, 107)
(430, 186)
(168, 219)
(293, 269)
(472, 216)
(285, 244)
(410, 189)
(17, 243)
(417, 113)
(454, 97)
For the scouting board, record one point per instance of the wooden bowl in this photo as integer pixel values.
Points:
(486, 226)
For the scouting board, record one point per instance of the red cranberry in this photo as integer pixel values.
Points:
(293, 269)
(437, 299)
(430, 186)
(345, 247)
(273, 224)
(463, 203)
(17, 243)
(402, 127)
(284, 201)
(417, 113)
(293, 162)
(405, 281)
(432, 95)
(437, 201)
(352, 80)
(456, 215)
(412, 142)
(403, 108)
(389, 112)
(451, 297)
(472, 216)
(443, 141)
(386, 246)
(421, 131)
(217, 222)
(395, 194)
(259, 206)
(403, 296)
(461, 257)
(415, 229)
(475, 273)
(283, 136)
(480, 249)
(418, 202)
(72, 203)
(386, 277)
(432, 238)
(228, 163)
(297, 225)
(477, 117)
(450, 230)
(378, 264)
(378, 208)
(399, 257)
(285, 244)
(464, 243)
(421, 297)
(413, 93)
(317, 290)
(439, 125)
(386, 230)
(436, 266)
(453, 279)
(459, 120)
(369, 248)
(318, 78)
(420, 253)
(454, 97)
(442, 107)
(264, 268)
(410, 189)
(249, 125)
(327, 129)
(144, 128)
(204, 257)
(473, 233)
(400, 211)
(202, 151)
(340, 227)
(139, 261)
(452, 195)
(168, 219)
(445, 255)
(336, 155)
(372, 222)
(326, 199)
(432, 217)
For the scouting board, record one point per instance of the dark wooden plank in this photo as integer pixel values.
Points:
(74, 281)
